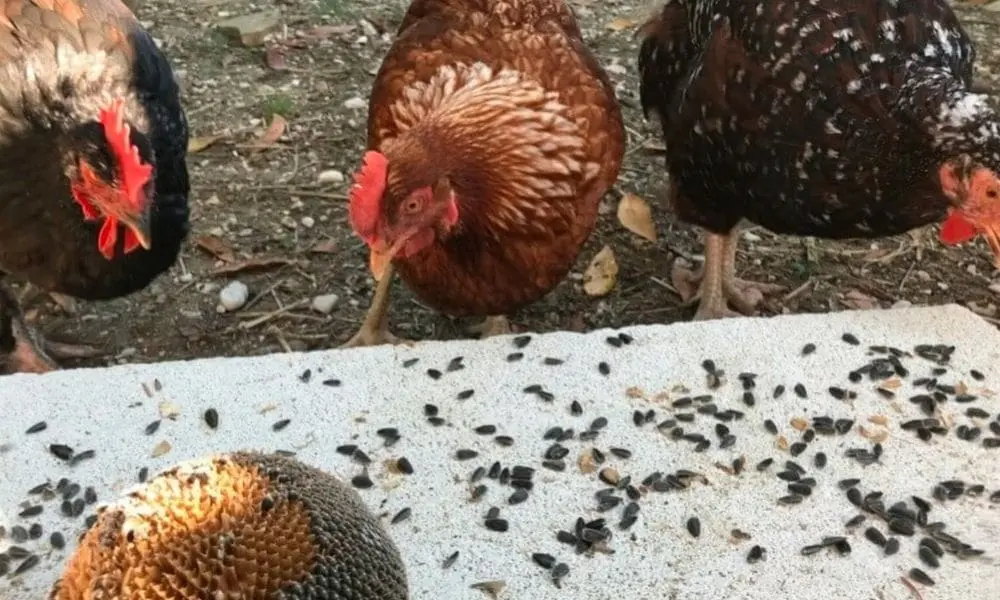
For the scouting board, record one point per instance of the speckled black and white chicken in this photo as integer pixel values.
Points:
(828, 118)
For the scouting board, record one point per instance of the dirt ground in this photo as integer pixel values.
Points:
(267, 218)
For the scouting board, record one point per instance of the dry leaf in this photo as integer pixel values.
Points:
(799, 424)
(161, 449)
(199, 143)
(601, 274)
(634, 214)
(324, 247)
(169, 410)
(272, 134)
(782, 443)
(322, 32)
(586, 462)
(621, 24)
(857, 300)
(217, 247)
(253, 264)
(274, 58)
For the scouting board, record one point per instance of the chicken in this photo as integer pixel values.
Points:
(493, 134)
(94, 189)
(828, 118)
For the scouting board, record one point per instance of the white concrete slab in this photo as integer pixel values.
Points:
(108, 409)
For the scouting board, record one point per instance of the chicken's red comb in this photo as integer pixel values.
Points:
(366, 194)
(133, 172)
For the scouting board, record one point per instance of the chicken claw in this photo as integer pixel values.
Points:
(372, 336)
(19, 344)
(62, 350)
(375, 329)
(715, 284)
(491, 326)
(65, 303)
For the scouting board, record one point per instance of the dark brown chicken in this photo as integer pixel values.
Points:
(493, 134)
(827, 118)
(93, 182)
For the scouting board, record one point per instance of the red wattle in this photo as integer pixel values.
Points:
(957, 229)
(107, 237)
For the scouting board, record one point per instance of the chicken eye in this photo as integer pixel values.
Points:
(412, 205)
(992, 194)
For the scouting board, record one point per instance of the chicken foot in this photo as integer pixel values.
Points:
(20, 347)
(375, 328)
(491, 326)
(716, 284)
(66, 303)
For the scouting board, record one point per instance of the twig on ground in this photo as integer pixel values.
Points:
(798, 291)
(272, 315)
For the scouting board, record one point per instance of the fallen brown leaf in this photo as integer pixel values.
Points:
(272, 134)
(324, 247)
(634, 215)
(252, 264)
(322, 32)
(857, 300)
(621, 24)
(216, 246)
(199, 143)
(601, 274)
(275, 60)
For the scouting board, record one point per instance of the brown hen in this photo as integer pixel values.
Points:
(493, 134)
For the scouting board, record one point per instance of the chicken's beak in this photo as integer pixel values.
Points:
(381, 257)
(140, 226)
(378, 261)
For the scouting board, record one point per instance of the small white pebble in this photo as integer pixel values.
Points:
(355, 103)
(330, 176)
(325, 303)
(308, 222)
(233, 296)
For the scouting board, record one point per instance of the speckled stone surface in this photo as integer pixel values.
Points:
(337, 397)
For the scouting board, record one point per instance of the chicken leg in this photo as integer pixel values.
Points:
(491, 326)
(716, 282)
(20, 347)
(375, 328)
(66, 303)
